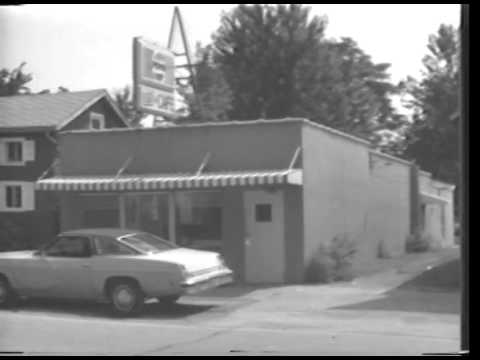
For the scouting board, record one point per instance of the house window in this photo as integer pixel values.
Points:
(97, 121)
(13, 196)
(263, 213)
(17, 196)
(14, 151)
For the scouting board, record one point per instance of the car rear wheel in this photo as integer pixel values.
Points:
(127, 298)
(170, 299)
(7, 295)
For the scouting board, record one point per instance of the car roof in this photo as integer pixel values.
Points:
(114, 232)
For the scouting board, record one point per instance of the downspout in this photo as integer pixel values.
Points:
(414, 199)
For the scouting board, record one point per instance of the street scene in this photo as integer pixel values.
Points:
(208, 179)
(404, 309)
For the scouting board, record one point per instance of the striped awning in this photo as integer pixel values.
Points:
(166, 182)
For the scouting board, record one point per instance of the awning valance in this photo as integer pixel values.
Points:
(170, 182)
(431, 198)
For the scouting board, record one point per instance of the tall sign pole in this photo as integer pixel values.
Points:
(178, 26)
(155, 82)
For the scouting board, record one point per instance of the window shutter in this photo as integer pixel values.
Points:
(29, 150)
(28, 196)
(3, 152)
(3, 198)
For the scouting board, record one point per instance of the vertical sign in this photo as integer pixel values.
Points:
(153, 78)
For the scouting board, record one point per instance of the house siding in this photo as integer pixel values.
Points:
(34, 228)
(82, 121)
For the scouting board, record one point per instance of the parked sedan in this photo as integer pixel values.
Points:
(122, 267)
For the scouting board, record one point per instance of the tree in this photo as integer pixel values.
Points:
(14, 82)
(124, 100)
(432, 139)
(213, 97)
(257, 48)
(341, 87)
(278, 64)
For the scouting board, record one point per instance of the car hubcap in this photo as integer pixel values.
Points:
(124, 299)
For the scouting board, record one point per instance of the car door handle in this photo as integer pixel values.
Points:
(85, 265)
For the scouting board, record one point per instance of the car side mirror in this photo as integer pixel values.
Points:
(38, 253)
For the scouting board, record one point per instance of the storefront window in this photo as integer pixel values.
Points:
(147, 212)
(199, 220)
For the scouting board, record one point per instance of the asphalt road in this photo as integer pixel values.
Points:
(358, 318)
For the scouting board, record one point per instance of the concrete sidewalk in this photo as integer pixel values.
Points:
(382, 275)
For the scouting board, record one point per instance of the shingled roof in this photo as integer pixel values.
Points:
(47, 111)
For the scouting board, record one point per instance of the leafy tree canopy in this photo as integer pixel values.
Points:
(277, 62)
(432, 139)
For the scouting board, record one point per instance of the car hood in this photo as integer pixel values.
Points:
(193, 260)
(16, 254)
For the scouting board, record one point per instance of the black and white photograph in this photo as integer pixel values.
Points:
(233, 179)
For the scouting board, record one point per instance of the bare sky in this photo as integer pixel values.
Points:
(89, 46)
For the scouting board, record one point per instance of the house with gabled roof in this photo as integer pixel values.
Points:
(29, 125)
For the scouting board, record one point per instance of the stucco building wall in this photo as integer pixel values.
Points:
(389, 205)
(335, 188)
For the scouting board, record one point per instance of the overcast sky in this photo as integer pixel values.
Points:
(89, 46)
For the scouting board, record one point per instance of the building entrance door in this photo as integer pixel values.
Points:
(264, 240)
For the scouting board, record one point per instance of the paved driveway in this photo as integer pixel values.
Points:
(371, 316)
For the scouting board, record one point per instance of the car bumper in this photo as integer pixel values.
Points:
(200, 284)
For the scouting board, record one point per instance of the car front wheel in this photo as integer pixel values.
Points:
(126, 298)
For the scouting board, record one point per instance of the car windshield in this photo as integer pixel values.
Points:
(147, 242)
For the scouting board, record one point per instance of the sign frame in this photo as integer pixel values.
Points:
(154, 83)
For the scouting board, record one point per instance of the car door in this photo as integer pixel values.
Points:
(35, 276)
(70, 262)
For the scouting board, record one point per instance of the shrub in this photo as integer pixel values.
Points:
(332, 262)
(420, 242)
(342, 251)
(321, 267)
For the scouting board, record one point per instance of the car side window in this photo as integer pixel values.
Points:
(108, 246)
(69, 246)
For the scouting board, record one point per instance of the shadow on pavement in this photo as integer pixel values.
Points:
(234, 290)
(151, 310)
(445, 277)
(433, 291)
